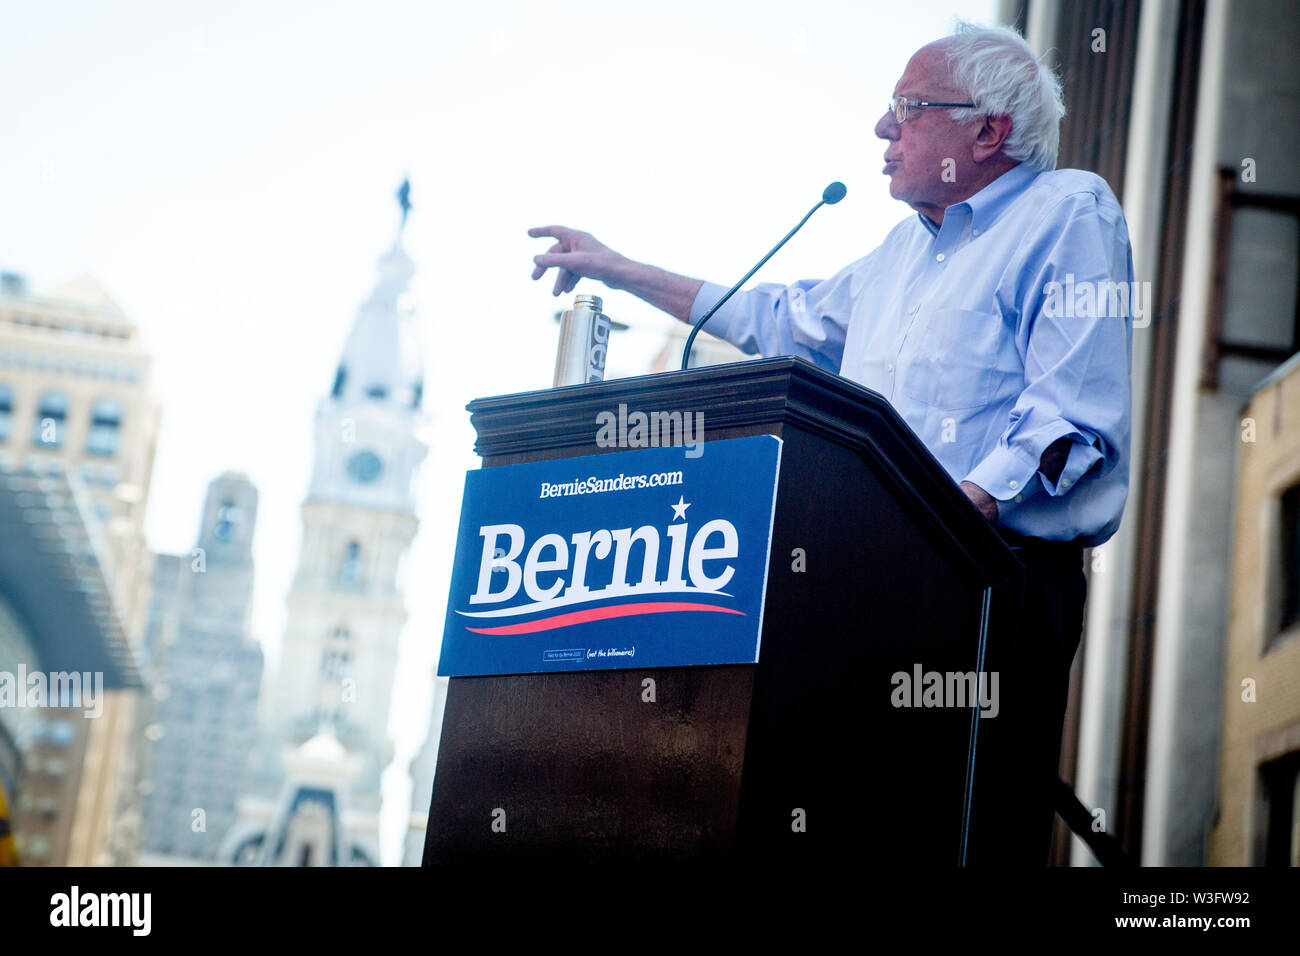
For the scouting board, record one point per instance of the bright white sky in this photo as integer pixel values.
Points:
(226, 171)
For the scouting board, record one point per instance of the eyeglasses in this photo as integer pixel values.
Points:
(899, 106)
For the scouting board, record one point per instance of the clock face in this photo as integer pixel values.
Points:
(365, 466)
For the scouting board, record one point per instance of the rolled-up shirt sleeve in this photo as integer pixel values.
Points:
(1075, 337)
(809, 319)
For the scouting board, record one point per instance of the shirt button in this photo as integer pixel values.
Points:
(974, 232)
(1014, 484)
(889, 367)
(912, 311)
(939, 257)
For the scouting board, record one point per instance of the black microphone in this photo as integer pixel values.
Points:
(830, 196)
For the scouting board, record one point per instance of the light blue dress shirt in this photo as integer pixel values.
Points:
(992, 336)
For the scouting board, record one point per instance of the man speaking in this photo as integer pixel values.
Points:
(996, 323)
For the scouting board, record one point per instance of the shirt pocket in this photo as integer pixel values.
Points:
(959, 359)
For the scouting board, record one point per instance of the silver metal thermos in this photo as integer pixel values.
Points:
(584, 341)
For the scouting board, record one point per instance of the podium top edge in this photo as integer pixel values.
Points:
(789, 366)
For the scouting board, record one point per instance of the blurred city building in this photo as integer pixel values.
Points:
(1258, 818)
(199, 724)
(345, 611)
(78, 429)
(705, 350)
(58, 620)
(313, 823)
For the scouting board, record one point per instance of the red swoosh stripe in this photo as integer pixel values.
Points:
(599, 614)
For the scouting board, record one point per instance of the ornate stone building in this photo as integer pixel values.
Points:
(78, 423)
(346, 608)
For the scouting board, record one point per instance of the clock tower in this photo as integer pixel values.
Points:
(345, 610)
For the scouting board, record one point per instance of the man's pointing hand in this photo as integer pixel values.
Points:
(578, 255)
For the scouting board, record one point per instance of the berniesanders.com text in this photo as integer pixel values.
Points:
(594, 485)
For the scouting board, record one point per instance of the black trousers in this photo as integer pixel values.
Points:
(1034, 631)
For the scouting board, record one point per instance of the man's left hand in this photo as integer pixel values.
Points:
(984, 501)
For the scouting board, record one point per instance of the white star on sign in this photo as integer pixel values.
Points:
(679, 509)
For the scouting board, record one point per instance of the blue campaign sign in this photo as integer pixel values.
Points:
(647, 558)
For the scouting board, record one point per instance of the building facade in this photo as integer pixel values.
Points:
(1257, 822)
(200, 721)
(346, 610)
(63, 653)
(77, 406)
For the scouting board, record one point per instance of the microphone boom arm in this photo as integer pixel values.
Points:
(686, 353)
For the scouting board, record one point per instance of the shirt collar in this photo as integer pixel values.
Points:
(987, 204)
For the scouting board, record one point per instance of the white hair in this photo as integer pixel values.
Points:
(997, 70)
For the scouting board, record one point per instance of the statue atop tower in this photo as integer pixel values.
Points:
(404, 199)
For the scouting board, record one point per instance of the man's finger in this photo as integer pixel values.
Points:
(555, 232)
(540, 270)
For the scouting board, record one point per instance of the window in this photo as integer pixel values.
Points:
(1289, 525)
(1281, 780)
(51, 420)
(340, 379)
(350, 569)
(377, 392)
(6, 412)
(37, 846)
(1255, 313)
(336, 658)
(60, 733)
(105, 427)
(47, 807)
(335, 666)
(227, 518)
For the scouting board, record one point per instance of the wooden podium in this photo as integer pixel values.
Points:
(879, 564)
